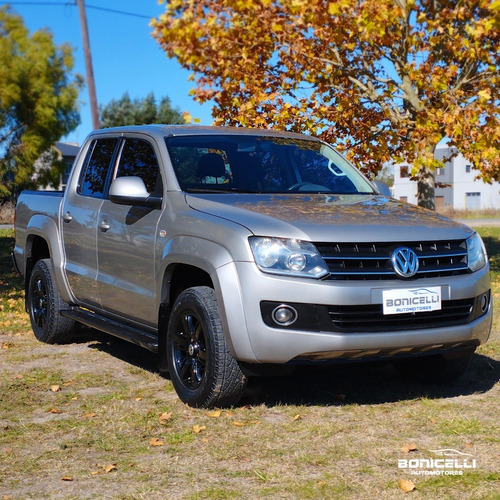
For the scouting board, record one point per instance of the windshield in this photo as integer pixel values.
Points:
(261, 164)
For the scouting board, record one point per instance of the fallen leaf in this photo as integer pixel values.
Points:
(409, 447)
(406, 485)
(89, 415)
(55, 388)
(54, 410)
(297, 417)
(238, 424)
(214, 414)
(165, 417)
(66, 478)
(156, 442)
(198, 428)
(109, 468)
(138, 399)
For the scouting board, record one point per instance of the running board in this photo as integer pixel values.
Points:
(129, 333)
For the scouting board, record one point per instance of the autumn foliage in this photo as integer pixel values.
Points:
(380, 79)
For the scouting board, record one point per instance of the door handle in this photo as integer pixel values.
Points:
(104, 226)
(67, 217)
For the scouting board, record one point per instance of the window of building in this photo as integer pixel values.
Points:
(403, 172)
(473, 201)
(440, 171)
(403, 198)
(468, 169)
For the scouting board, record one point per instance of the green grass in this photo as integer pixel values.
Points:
(292, 437)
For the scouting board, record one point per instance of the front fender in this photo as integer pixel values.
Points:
(216, 261)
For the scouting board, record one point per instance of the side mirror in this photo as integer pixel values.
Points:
(132, 191)
(383, 188)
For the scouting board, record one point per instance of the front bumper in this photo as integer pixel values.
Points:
(253, 340)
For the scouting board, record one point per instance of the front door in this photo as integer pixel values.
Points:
(126, 240)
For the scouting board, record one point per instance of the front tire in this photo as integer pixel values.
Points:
(45, 305)
(202, 370)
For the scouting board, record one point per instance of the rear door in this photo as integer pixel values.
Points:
(82, 203)
(126, 239)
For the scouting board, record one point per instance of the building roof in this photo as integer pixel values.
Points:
(67, 149)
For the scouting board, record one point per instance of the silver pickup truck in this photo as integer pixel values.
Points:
(231, 252)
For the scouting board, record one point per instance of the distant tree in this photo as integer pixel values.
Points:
(386, 174)
(127, 111)
(381, 79)
(38, 104)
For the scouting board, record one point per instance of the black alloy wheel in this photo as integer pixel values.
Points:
(38, 307)
(190, 351)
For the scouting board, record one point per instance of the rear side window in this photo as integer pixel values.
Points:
(138, 159)
(96, 167)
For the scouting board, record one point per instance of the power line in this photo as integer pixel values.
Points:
(95, 7)
(118, 11)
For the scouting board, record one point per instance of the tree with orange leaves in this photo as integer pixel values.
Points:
(380, 79)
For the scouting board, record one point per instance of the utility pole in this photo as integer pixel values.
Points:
(88, 65)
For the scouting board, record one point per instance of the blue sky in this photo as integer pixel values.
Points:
(125, 56)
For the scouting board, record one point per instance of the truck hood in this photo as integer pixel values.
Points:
(320, 217)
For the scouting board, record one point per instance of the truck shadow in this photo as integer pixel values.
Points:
(331, 385)
(365, 383)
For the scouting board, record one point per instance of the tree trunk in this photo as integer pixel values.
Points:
(426, 198)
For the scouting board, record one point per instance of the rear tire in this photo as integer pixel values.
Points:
(202, 370)
(436, 368)
(45, 305)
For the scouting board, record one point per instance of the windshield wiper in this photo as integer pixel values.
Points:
(218, 190)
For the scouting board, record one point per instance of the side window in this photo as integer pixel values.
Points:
(139, 159)
(95, 168)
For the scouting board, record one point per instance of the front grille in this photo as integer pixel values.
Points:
(372, 261)
(370, 318)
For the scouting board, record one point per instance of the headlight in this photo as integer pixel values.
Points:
(476, 253)
(289, 257)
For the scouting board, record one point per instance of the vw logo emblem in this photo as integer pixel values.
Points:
(405, 262)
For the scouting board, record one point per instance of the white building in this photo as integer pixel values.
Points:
(462, 192)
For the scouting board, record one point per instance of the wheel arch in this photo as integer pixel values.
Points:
(43, 241)
(188, 262)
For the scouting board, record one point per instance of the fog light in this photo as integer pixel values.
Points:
(484, 302)
(284, 315)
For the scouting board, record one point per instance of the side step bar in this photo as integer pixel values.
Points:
(126, 332)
